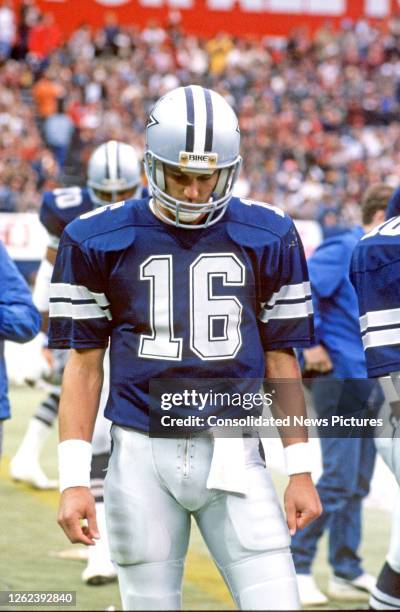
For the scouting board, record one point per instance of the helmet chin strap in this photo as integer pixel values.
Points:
(186, 217)
(190, 216)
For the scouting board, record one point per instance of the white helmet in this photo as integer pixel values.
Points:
(196, 130)
(113, 170)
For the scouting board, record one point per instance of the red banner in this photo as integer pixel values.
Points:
(207, 17)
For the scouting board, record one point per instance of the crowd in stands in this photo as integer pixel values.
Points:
(319, 115)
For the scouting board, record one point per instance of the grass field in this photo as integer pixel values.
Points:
(30, 539)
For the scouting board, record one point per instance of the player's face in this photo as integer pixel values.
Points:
(115, 196)
(190, 187)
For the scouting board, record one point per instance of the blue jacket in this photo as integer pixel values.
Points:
(19, 319)
(335, 304)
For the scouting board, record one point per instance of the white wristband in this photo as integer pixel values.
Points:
(74, 461)
(298, 458)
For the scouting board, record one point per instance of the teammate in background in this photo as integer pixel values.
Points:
(375, 273)
(19, 321)
(114, 174)
(339, 355)
(393, 207)
(189, 283)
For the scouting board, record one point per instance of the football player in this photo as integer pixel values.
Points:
(375, 273)
(191, 283)
(113, 174)
(337, 364)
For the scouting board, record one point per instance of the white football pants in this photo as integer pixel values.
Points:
(154, 486)
(388, 441)
(389, 449)
(101, 439)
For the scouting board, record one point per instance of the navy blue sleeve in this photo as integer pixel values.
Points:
(19, 319)
(375, 274)
(79, 310)
(61, 206)
(286, 319)
(393, 207)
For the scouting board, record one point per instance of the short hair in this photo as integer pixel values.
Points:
(375, 198)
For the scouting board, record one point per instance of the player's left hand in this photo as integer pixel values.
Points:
(302, 503)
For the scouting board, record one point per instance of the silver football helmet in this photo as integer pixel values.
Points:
(193, 129)
(113, 173)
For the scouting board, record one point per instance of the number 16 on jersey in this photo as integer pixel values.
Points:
(206, 309)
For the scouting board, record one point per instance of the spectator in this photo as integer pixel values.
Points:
(44, 37)
(46, 93)
(318, 120)
(58, 130)
(7, 29)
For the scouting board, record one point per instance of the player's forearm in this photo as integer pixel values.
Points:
(42, 287)
(282, 368)
(81, 389)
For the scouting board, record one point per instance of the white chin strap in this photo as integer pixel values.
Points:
(185, 217)
(190, 217)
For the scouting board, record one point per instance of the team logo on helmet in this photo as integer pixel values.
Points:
(152, 121)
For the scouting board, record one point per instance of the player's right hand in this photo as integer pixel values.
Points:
(77, 515)
(316, 359)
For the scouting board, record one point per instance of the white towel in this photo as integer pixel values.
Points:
(228, 466)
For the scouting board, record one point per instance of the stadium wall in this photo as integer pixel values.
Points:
(25, 240)
(207, 17)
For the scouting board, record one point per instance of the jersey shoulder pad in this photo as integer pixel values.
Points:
(63, 205)
(108, 228)
(253, 223)
(373, 254)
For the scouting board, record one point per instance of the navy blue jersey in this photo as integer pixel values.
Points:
(179, 303)
(375, 273)
(393, 207)
(63, 205)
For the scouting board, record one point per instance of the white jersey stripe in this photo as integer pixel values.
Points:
(380, 318)
(200, 119)
(287, 311)
(290, 292)
(76, 292)
(381, 337)
(78, 311)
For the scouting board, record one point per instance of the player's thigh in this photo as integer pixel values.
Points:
(145, 523)
(101, 435)
(235, 526)
(393, 556)
(101, 439)
(249, 539)
(396, 454)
